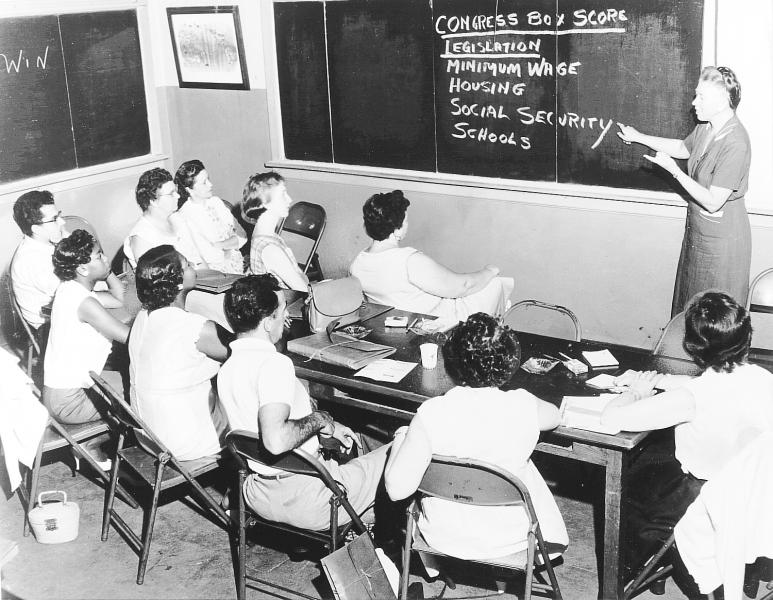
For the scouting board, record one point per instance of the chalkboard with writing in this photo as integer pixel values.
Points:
(71, 92)
(518, 89)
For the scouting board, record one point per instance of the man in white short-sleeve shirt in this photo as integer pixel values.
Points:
(260, 393)
(32, 272)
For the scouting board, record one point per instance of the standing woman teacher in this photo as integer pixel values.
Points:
(716, 250)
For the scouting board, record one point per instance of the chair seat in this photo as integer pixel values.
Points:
(145, 466)
(52, 439)
(515, 561)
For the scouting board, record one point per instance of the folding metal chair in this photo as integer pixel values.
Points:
(245, 446)
(302, 230)
(480, 483)
(157, 467)
(73, 222)
(58, 435)
(22, 330)
(670, 342)
(533, 316)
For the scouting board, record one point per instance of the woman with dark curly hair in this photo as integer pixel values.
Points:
(213, 229)
(82, 331)
(173, 356)
(716, 414)
(409, 280)
(478, 420)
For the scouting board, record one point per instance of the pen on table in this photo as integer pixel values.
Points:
(566, 356)
(413, 323)
(551, 357)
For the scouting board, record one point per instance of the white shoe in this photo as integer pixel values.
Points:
(105, 465)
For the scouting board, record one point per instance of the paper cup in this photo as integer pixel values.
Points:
(428, 355)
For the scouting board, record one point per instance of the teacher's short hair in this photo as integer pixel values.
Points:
(481, 352)
(717, 332)
(725, 78)
(250, 300)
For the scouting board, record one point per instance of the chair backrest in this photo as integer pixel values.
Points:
(73, 222)
(127, 419)
(19, 322)
(302, 230)
(534, 316)
(670, 342)
(246, 446)
(760, 297)
(476, 482)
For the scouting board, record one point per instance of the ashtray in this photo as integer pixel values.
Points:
(538, 365)
(355, 331)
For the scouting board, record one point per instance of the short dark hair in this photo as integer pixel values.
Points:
(72, 252)
(149, 184)
(159, 276)
(255, 192)
(481, 352)
(26, 209)
(384, 213)
(717, 332)
(250, 300)
(184, 178)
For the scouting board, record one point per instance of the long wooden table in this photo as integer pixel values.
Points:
(337, 386)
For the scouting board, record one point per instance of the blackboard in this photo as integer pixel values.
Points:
(72, 92)
(517, 89)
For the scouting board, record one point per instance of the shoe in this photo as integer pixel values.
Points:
(106, 464)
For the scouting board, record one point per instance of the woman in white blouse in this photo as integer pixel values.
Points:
(213, 229)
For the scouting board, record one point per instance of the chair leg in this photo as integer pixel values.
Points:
(241, 554)
(110, 496)
(548, 565)
(636, 584)
(405, 575)
(529, 566)
(33, 487)
(147, 529)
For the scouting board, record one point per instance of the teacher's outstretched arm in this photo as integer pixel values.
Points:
(671, 146)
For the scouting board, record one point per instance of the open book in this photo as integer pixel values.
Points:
(342, 351)
(584, 412)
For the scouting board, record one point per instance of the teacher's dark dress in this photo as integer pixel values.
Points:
(716, 250)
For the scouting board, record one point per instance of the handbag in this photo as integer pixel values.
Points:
(334, 300)
(360, 571)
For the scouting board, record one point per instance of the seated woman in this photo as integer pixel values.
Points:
(213, 229)
(409, 280)
(477, 420)
(267, 202)
(82, 332)
(715, 414)
(173, 356)
(157, 196)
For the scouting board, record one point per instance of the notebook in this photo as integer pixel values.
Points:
(584, 412)
(215, 282)
(341, 351)
(600, 359)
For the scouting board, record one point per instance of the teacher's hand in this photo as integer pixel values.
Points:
(628, 134)
(664, 160)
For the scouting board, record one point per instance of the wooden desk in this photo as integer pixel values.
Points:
(337, 386)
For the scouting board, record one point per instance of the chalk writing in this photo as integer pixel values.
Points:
(15, 63)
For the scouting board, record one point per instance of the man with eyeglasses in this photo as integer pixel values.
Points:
(32, 272)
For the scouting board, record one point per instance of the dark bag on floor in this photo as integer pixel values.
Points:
(356, 573)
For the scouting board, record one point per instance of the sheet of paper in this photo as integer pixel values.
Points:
(603, 381)
(584, 412)
(386, 369)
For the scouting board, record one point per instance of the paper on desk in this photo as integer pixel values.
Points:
(584, 412)
(386, 369)
(600, 359)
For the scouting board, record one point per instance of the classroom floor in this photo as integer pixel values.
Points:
(190, 556)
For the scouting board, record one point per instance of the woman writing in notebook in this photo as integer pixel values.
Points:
(716, 250)
(715, 415)
(478, 420)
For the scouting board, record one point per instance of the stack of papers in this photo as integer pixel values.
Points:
(386, 369)
(584, 412)
(343, 351)
(209, 280)
(600, 359)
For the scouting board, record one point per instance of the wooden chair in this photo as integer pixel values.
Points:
(245, 446)
(157, 468)
(302, 231)
(521, 317)
(480, 483)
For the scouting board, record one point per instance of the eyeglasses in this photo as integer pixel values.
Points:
(56, 217)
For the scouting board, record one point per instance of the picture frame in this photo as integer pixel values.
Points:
(208, 47)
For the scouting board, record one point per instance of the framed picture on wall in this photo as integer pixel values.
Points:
(208, 47)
